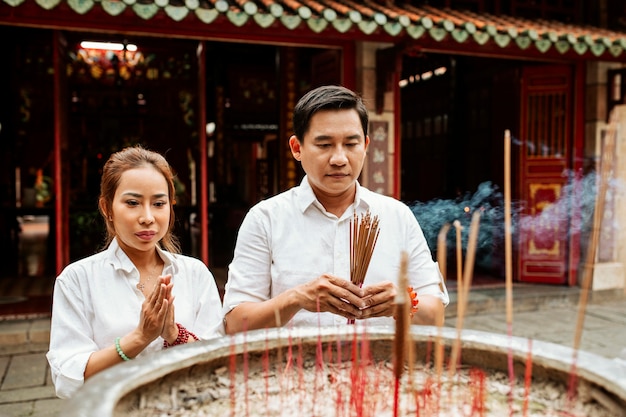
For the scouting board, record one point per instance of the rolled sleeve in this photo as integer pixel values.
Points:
(71, 342)
(249, 274)
(67, 373)
(208, 322)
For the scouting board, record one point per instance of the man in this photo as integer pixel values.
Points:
(292, 257)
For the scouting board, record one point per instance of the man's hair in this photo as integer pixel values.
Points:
(328, 97)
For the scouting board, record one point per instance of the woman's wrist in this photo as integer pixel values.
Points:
(183, 336)
(130, 345)
(171, 333)
(120, 351)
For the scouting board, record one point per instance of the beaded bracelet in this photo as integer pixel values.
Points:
(182, 338)
(119, 350)
(414, 301)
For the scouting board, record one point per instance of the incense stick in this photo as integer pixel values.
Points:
(442, 255)
(363, 236)
(463, 290)
(442, 261)
(470, 256)
(605, 169)
(402, 326)
(459, 265)
(507, 228)
(508, 257)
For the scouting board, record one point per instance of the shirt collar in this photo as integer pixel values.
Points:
(121, 261)
(306, 197)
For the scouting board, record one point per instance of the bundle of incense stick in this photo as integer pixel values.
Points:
(363, 235)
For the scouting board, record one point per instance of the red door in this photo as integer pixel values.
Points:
(545, 148)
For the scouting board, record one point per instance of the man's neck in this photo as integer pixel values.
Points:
(337, 204)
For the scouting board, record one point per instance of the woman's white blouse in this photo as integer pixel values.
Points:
(96, 300)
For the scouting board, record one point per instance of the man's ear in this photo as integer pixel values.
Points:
(294, 145)
(367, 142)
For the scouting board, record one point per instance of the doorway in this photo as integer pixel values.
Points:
(455, 110)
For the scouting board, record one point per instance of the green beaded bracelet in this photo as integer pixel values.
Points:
(119, 350)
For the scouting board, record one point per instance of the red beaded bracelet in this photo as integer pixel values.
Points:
(414, 301)
(182, 338)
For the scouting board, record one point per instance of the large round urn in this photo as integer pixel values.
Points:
(349, 371)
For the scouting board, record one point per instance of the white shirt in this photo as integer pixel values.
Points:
(290, 239)
(96, 300)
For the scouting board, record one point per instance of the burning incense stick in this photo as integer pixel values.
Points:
(402, 327)
(508, 256)
(459, 265)
(463, 288)
(442, 253)
(363, 235)
(605, 170)
(507, 228)
(459, 286)
(470, 256)
(442, 250)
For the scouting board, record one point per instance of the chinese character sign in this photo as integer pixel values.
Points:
(377, 167)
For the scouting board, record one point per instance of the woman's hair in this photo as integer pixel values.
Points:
(122, 161)
(328, 97)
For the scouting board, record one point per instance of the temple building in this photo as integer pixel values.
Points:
(212, 83)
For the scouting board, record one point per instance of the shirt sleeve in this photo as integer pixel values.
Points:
(208, 321)
(424, 273)
(249, 274)
(71, 338)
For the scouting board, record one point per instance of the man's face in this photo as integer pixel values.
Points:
(332, 151)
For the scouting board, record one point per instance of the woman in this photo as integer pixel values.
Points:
(120, 303)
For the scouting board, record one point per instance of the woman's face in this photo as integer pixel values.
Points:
(141, 209)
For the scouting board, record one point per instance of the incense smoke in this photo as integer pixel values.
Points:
(433, 215)
(572, 212)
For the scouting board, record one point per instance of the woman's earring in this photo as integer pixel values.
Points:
(110, 218)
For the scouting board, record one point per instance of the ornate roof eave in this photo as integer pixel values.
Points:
(325, 21)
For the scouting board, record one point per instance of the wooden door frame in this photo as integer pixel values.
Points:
(60, 177)
(578, 126)
(203, 205)
(573, 163)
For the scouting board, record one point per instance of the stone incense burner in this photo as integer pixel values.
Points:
(216, 377)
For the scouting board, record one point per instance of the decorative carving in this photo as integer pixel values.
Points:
(545, 224)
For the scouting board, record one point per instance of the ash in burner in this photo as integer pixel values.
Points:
(350, 379)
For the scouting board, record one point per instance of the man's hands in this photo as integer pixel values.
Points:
(342, 297)
(327, 293)
(333, 294)
(380, 300)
